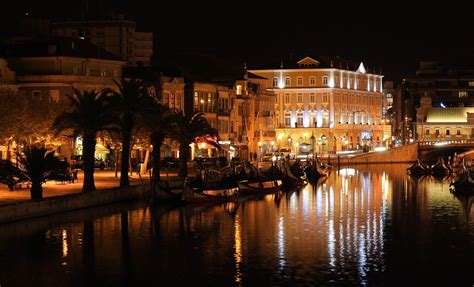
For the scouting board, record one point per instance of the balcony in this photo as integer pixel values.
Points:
(223, 112)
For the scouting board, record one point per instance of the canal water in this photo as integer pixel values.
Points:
(370, 226)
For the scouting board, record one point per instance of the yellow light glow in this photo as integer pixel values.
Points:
(296, 144)
(202, 145)
(259, 143)
(280, 137)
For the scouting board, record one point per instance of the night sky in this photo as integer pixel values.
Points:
(391, 35)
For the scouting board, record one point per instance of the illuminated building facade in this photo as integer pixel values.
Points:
(50, 68)
(326, 105)
(446, 124)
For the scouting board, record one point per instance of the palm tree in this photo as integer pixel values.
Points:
(131, 101)
(185, 130)
(38, 165)
(90, 114)
(159, 122)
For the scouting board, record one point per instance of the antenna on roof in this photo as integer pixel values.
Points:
(281, 64)
(332, 65)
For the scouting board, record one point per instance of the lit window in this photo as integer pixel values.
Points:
(171, 100)
(275, 82)
(311, 98)
(312, 81)
(239, 90)
(325, 80)
(287, 81)
(287, 119)
(300, 98)
(299, 81)
(462, 94)
(471, 83)
(299, 119)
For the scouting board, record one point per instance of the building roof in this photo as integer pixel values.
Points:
(325, 62)
(448, 115)
(55, 47)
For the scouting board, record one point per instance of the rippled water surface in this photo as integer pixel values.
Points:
(360, 227)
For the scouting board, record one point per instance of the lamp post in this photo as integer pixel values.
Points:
(259, 151)
(353, 126)
(289, 143)
(313, 140)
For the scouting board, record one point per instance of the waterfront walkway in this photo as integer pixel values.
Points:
(104, 179)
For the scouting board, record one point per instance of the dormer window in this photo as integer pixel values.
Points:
(238, 89)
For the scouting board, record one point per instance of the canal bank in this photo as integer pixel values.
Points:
(52, 205)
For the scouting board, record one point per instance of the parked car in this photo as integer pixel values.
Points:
(78, 162)
(267, 157)
(169, 162)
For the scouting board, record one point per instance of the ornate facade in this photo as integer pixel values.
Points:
(326, 105)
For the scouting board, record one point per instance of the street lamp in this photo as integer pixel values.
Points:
(289, 143)
(353, 124)
(313, 140)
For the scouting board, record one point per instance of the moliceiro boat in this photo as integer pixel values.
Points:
(197, 193)
(418, 169)
(314, 170)
(259, 187)
(440, 169)
(463, 183)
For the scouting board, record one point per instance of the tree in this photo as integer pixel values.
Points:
(38, 165)
(131, 102)
(185, 130)
(159, 123)
(91, 113)
(20, 119)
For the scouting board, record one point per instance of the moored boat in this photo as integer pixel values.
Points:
(440, 169)
(259, 187)
(418, 169)
(199, 194)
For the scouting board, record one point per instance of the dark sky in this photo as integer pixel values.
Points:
(392, 35)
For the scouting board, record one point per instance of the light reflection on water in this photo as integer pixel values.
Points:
(359, 227)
